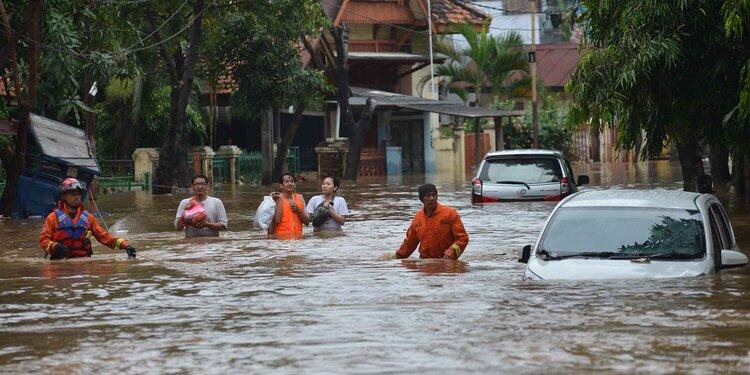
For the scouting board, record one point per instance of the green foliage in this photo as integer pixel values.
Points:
(258, 46)
(554, 131)
(736, 21)
(650, 66)
(487, 60)
(681, 236)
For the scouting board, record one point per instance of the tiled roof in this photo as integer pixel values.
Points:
(456, 12)
(377, 12)
(444, 12)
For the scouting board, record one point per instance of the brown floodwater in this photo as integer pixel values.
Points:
(335, 304)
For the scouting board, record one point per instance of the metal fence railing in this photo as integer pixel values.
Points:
(249, 166)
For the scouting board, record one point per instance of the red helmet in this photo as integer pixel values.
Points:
(71, 183)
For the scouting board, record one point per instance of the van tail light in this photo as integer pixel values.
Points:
(565, 186)
(476, 191)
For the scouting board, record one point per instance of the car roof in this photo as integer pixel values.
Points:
(658, 198)
(524, 152)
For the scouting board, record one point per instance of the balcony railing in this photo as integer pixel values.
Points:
(375, 45)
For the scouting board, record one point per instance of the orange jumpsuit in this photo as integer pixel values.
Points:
(290, 224)
(51, 225)
(435, 234)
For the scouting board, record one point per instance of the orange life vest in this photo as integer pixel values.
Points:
(74, 235)
(290, 225)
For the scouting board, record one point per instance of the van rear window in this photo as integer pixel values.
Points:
(528, 170)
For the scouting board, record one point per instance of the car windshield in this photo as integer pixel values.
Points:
(625, 232)
(526, 170)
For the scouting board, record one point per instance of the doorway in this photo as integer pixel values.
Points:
(409, 135)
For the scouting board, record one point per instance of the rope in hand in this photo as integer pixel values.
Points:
(99, 213)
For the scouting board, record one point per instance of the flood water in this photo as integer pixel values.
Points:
(336, 305)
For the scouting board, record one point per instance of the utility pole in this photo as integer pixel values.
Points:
(532, 68)
(429, 39)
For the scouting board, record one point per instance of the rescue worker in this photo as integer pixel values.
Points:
(437, 229)
(290, 214)
(68, 229)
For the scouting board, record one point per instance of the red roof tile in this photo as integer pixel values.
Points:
(377, 12)
(448, 12)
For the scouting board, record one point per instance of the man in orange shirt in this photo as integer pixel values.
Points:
(68, 229)
(290, 213)
(437, 229)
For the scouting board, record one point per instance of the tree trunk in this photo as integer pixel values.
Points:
(125, 133)
(181, 71)
(499, 136)
(279, 161)
(719, 158)
(477, 143)
(26, 103)
(691, 162)
(355, 154)
(594, 153)
(358, 129)
(746, 172)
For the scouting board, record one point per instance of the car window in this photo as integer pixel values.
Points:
(624, 230)
(528, 170)
(716, 245)
(726, 239)
(724, 219)
(571, 175)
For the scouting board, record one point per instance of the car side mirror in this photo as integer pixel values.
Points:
(733, 259)
(524, 254)
(583, 179)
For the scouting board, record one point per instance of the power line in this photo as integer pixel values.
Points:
(160, 26)
(128, 50)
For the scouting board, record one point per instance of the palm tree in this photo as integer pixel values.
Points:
(486, 60)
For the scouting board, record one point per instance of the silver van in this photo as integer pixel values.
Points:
(524, 175)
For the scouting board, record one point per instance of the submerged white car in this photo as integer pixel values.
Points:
(625, 234)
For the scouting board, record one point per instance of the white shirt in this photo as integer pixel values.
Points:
(215, 213)
(339, 207)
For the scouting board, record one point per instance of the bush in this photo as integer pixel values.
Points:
(554, 134)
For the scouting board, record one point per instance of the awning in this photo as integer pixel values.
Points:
(384, 99)
(63, 142)
(462, 110)
(396, 57)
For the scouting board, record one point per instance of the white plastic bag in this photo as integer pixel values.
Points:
(264, 214)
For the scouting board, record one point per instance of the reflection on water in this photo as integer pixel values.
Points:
(333, 303)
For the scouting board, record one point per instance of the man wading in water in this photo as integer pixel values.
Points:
(211, 219)
(290, 213)
(68, 229)
(437, 229)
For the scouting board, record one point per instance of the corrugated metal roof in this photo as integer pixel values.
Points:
(391, 99)
(556, 62)
(63, 142)
(396, 56)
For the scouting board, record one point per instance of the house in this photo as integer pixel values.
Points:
(388, 58)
